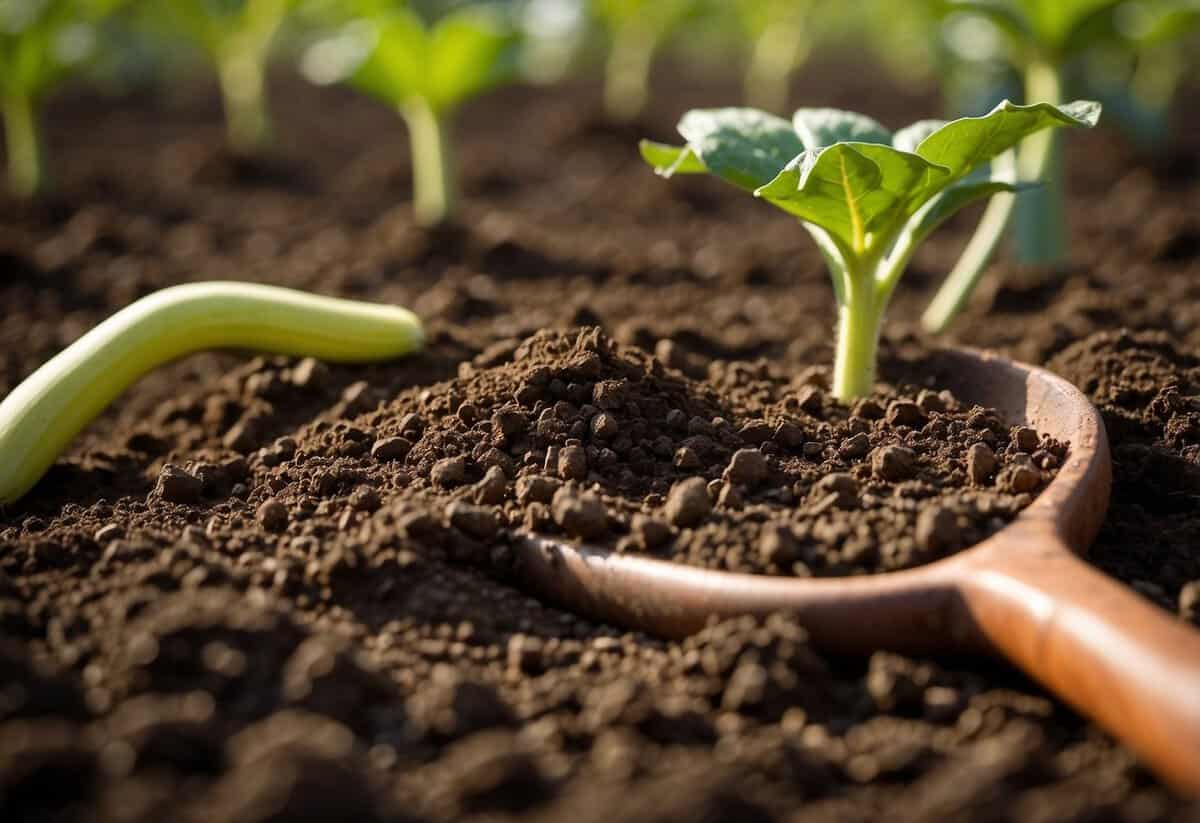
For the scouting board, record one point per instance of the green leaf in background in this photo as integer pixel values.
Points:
(397, 58)
(469, 52)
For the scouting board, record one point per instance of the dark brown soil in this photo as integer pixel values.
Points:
(257, 590)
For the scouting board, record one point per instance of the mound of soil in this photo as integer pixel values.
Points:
(265, 589)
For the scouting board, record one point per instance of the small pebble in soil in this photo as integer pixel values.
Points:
(937, 530)
(273, 515)
(840, 484)
(1019, 479)
(650, 532)
(981, 463)
(579, 515)
(1025, 439)
(536, 488)
(747, 467)
(893, 463)
(477, 521)
(905, 413)
(778, 546)
(449, 472)
(493, 488)
(178, 486)
(391, 448)
(855, 447)
(572, 463)
(688, 502)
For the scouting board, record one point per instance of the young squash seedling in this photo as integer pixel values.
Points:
(636, 29)
(41, 43)
(426, 73)
(867, 196)
(1041, 38)
(237, 36)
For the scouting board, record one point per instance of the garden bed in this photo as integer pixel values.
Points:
(254, 586)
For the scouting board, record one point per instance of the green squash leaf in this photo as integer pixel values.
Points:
(824, 127)
(851, 190)
(469, 51)
(964, 144)
(745, 147)
(671, 160)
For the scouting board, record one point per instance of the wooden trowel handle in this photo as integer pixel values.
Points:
(1128, 665)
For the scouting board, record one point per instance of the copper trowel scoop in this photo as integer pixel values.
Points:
(1023, 593)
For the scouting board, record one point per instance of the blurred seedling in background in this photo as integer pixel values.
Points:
(781, 37)
(867, 196)
(1044, 41)
(237, 35)
(636, 30)
(41, 43)
(426, 72)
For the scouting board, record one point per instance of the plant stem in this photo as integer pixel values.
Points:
(964, 277)
(242, 77)
(777, 53)
(434, 186)
(860, 316)
(23, 143)
(627, 72)
(1039, 222)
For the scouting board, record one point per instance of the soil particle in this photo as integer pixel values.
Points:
(981, 463)
(178, 486)
(747, 467)
(893, 463)
(937, 531)
(650, 532)
(688, 503)
(391, 448)
(449, 472)
(478, 521)
(273, 515)
(579, 515)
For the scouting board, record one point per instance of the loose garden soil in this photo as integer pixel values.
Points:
(268, 589)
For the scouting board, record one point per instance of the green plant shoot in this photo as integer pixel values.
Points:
(41, 43)
(781, 37)
(867, 196)
(1041, 37)
(426, 73)
(636, 29)
(237, 36)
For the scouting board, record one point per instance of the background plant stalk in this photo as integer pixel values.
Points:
(24, 146)
(627, 72)
(1039, 220)
(243, 95)
(433, 162)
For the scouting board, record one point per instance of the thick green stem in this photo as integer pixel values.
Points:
(860, 316)
(434, 187)
(1039, 221)
(23, 143)
(627, 72)
(242, 77)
